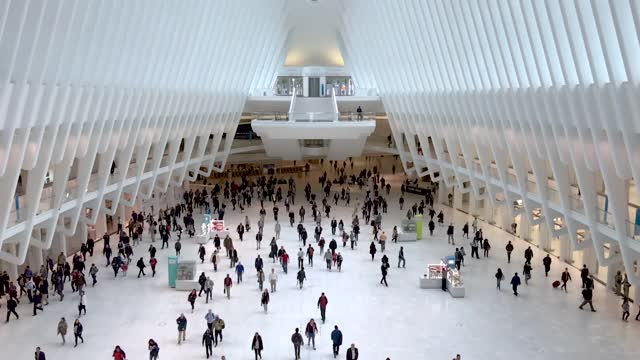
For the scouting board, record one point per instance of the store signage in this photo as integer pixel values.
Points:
(415, 190)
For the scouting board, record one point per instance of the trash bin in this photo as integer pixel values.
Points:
(172, 263)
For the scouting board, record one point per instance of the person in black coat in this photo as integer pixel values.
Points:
(352, 352)
(547, 265)
(140, 264)
(372, 250)
(207, 342)
(256, 345)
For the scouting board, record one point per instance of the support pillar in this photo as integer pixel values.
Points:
(611, 275)
(566, 250)
(305, 86)
(11, 269)
(524, 228)
(443, 192)
(100, 225)
(457, 199)
(544, 237)
(589, 258)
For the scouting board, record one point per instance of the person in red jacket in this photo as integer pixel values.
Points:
(285, 261)
(153, 262)
(118, 353)
(322, 304)
(227, 286)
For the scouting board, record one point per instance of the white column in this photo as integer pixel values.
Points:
(305, 86)
(588, 258)
(524, 228)
(323, 86)
(544, 238)
(566, 250)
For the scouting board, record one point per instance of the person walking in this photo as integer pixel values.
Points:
(227, 286)
(261, 279)
(584, 275)
(218, 326)
(192, 298)
(625, 309)
(626, 285)
(526, 271)
(372, 250)
(264, 301)
(383, 241)
(328, 258)
(565, 277)
(62, 329)
(207, 342)
(210, 317)
(12, 304)
(140, 264)
(208, 289)
(515, 282)
(256, 345)
(93, 271)
(301, 258)
(450, 234)
(154, 349)
(301, 277)
(39, 354)
(77, 331)
(486, 247)
(547, 265)
(239, 272)
(273, 280)
(310, 331)
(587, 295)
(336, 339)
(384, 270)
(509, 249)
(322, 305)
(310, 251)
(181, 321)
(499, 278)
(82, 304)
(118, 353)
(352, 352)
(297, 341)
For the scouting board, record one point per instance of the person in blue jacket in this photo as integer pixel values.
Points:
(239, 271)
(336, 338)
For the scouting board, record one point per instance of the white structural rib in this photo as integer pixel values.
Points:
(152, 86)
(503, 96)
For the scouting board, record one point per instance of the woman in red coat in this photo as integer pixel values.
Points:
(118, 353)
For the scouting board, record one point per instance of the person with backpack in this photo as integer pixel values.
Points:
(264, 301)
(182, 328)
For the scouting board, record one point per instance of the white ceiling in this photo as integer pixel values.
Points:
(313, 33)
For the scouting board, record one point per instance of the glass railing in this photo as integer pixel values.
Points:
(312, 116)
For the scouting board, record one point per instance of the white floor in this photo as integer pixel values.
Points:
(401, 321)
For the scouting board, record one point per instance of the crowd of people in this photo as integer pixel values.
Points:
(269, 194)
